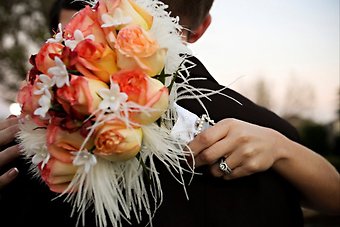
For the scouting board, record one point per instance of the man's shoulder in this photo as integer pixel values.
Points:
(198, 70)
(222, 102)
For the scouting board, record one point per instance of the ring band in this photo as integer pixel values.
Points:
(224, 166)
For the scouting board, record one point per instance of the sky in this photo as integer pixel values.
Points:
(293, 45)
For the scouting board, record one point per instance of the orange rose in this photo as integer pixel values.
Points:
(136, 49)
(115, 142)
(45, 58)
(57, 175)
(81, 96)
(95, 60)
(61, 143)
(133, 83)
(145, 91)
(85, 21)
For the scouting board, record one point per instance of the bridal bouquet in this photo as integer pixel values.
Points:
(98, 106)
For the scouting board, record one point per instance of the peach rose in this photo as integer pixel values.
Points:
(115, 142)
(81, 96)
(45, 58)
(27, 99)
(61, 143)
(57, 174)
(29, 102)
(145, 91)
(135, 48)
(131, 12)
(95, 60)
(87, 22)
(157, 99)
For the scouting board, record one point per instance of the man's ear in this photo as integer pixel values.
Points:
(198, 32)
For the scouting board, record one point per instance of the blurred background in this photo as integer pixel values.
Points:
(281, 54)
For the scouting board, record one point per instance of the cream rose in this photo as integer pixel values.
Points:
(130, 12)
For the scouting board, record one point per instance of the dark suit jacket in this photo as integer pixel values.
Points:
(262, 199)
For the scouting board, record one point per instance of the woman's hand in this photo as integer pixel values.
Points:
(8, 128)
(247, 148)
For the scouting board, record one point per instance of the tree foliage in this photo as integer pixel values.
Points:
(23, 27)
(316, 137)
(263, 96)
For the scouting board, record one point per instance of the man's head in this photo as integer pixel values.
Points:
(62, 11)
(194, 15)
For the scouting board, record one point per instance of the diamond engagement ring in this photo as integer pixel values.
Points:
(224, 166)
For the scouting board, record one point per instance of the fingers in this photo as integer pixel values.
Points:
(10, 121)
(7, 177)
(213, 153)
(244, 145)
(234, 162)
(7, 134)
(208, 137)
(240, 166)
(222, 145)
(237, 173)
(9, 155)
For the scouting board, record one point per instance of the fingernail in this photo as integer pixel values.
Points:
(13, 172)
(11, 116)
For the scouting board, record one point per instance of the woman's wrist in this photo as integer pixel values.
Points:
(282, 148)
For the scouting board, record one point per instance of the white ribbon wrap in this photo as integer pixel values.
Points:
(185, 126)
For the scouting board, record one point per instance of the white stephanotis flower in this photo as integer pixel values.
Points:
(59, 72)
(45, 85)
(85, 159)
(112, 98)
(42, 156)
(45, 104)
(78, 37)
(58, 38)
(117, 19)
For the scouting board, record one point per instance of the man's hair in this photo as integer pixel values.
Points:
(59, 5)
(191, 12)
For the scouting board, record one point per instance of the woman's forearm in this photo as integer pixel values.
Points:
(317, 180)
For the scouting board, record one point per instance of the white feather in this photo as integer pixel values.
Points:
(32, 139)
